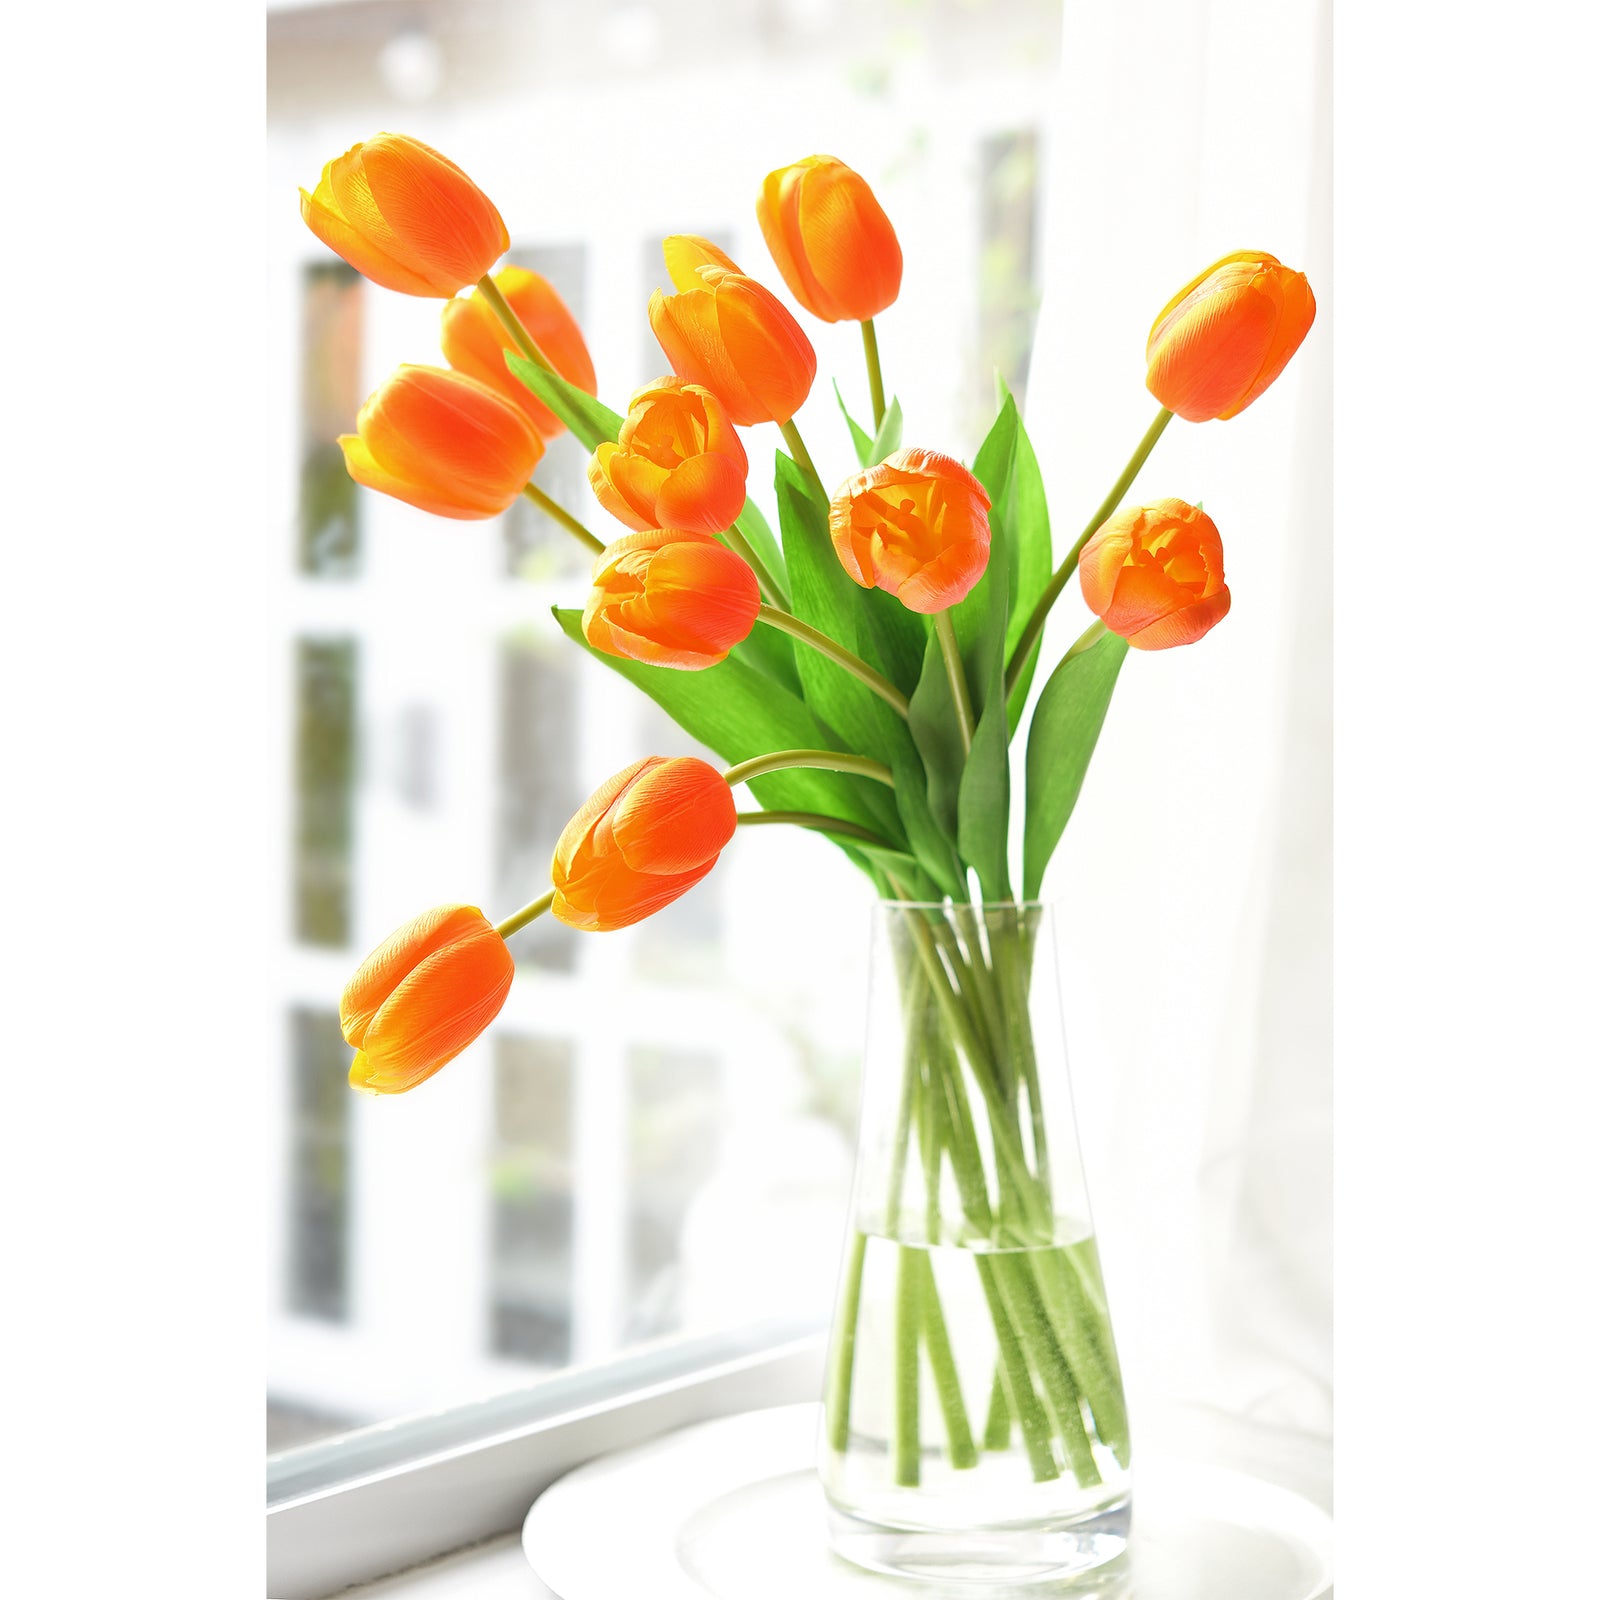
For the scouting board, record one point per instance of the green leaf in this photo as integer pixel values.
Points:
(888, 439)
(740, 714)
(1066, 725)
(1027, 518)
(858, 435)
(590, 421)
(758, 535)
(984, 802)
(876, 627)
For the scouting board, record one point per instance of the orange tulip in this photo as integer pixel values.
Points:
(423, 996)
(475, 341)
(444, 442)
(916, 525)
(672, 598)
(725, 332)
(832, 243)
(1154, 575)
(677, 462)
(405, 217)
(642, 839)
(1224, 337)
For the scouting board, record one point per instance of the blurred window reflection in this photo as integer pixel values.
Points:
(319, 1226)
(325, 695)
(330, 396)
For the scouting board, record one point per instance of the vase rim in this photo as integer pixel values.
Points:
(965, 905)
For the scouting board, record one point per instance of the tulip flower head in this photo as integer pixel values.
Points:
(670, 597)
(677, 461)
(643, 838)
(916, 525)
(1154, 575)
(1222, 339)
(475, 341)
(725, 332)
(833, 244)
(405, 217)
(443, 442)
(423, 996)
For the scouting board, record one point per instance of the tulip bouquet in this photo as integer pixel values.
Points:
(863, 671)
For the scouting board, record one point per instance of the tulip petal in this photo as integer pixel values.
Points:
(685, 326)
(686, 253)
(706, 494)
(378, 976)
(676, 818)
(322, 217)
(1183, 626)
(766, 347)
(1212, 353)
(851, 248)
(460, 503)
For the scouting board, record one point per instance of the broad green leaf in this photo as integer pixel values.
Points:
(1066, 724)
(753, 525)
(824, 595)
(858, 435)
(772, 654)
(888, 439)
(590, 421)
(740, 713)
(1028, 542)
(984, 802)
(938, 738)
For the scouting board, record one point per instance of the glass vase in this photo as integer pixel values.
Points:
(974, 1424)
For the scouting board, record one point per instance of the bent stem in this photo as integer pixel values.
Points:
(825, 760)
(836, 653)
(1058, 581)
(802, 456)
(512, 323)
(815, 820)
(869, 340)
(520, 919)
(559, 513)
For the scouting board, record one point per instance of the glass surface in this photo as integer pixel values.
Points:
(654, 1139)
(975, 1428)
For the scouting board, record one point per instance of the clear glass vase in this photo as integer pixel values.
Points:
(974, 1424)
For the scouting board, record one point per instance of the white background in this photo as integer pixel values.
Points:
(1465, 853)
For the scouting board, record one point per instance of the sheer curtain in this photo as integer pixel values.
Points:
(1195, 878)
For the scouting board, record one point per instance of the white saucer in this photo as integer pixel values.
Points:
(732, 1510)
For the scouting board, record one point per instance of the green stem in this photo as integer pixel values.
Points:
(1025, 1406)
(802, 456)
(513, 323)
(1058, 582)
(956, 673)
(941, 1362)
(736, 541)
(520, 919)
(869, 340)
(997, 1424)
(842, 1370)
(1082, 1332)
(836, 653)
(907, 1423)
(1087, 640)
(815, 819)
(825, 760)
(563, 516)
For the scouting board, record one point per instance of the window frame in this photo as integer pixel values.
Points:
(377, 1501)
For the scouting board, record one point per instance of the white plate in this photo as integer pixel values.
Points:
(732, 1510)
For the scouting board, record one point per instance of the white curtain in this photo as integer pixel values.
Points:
(1195, 879)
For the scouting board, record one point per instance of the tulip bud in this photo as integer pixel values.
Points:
(725, 332)
(643, 838)
(1223, 338)
(836, 249)
(423, 996)
(672, 598)
(443, 442)
(475, 341)
(677, 461)
(1154, 575)
(916, 525)
(405, 217)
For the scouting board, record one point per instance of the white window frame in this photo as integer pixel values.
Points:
(386, 1498)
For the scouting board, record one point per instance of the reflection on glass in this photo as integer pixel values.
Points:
(538, 550)
(674, 1126)
(1008, 292)
(538, 791)
(319, 1185)
(330, 396)
(325, 694)
(531, 1187)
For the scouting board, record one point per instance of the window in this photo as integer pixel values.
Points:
(325, 693)
(1007, 288)
(330, 396)
(319, 1227)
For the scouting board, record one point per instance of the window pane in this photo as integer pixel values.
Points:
(325, 691)
(531, 1235)
(330, 396)
(319, 1221)
(1008, 291)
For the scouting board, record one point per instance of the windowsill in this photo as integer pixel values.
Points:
(494, 1570)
